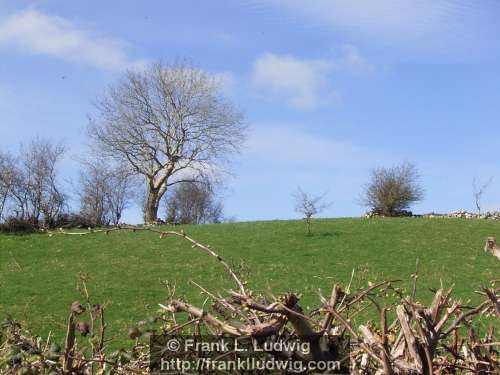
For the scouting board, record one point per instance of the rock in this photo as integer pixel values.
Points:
(460, 214)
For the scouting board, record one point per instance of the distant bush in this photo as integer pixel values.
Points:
(392, 191)
(64, 220)
(193, 203)
(73, 220)
(15, 225)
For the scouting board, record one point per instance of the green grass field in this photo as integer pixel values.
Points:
(38, 273)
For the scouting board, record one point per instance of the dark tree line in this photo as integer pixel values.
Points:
(32, 192)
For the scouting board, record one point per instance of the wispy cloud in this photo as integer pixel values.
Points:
(305, 83)
(227, 81)
(351, 60)
(301, 80)
(34, 32)
(442, 26)
(225, 37)
(294, 147)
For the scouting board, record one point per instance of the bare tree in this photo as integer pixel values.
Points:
(121, 192)
(392, 190)
(7, 181)
(478, 189)
(13, 188)
(40, 192)
(93, 190)
(170, 124)
(309, 206)
(29, 186)
(105, 192)
(193, 203)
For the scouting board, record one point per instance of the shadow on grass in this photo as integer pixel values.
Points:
(20, 233)
(322, 234)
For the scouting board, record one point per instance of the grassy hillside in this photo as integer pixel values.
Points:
(38, 273)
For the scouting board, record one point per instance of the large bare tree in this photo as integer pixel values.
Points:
(170, 124)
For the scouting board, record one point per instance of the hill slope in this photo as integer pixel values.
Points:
(38, 273)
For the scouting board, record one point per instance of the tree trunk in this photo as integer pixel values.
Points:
(151, 207)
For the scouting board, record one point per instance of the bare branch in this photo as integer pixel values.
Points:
(478, 189)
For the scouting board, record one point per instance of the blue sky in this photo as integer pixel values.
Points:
(330, 89)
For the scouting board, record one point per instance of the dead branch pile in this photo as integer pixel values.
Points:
(444, 336)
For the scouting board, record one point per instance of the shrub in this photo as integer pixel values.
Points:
(15, 225)
(392, 191)
(193, 203)
(73, 220)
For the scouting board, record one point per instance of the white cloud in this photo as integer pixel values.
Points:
(37, 33)
(301, 80)
(305, 83)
